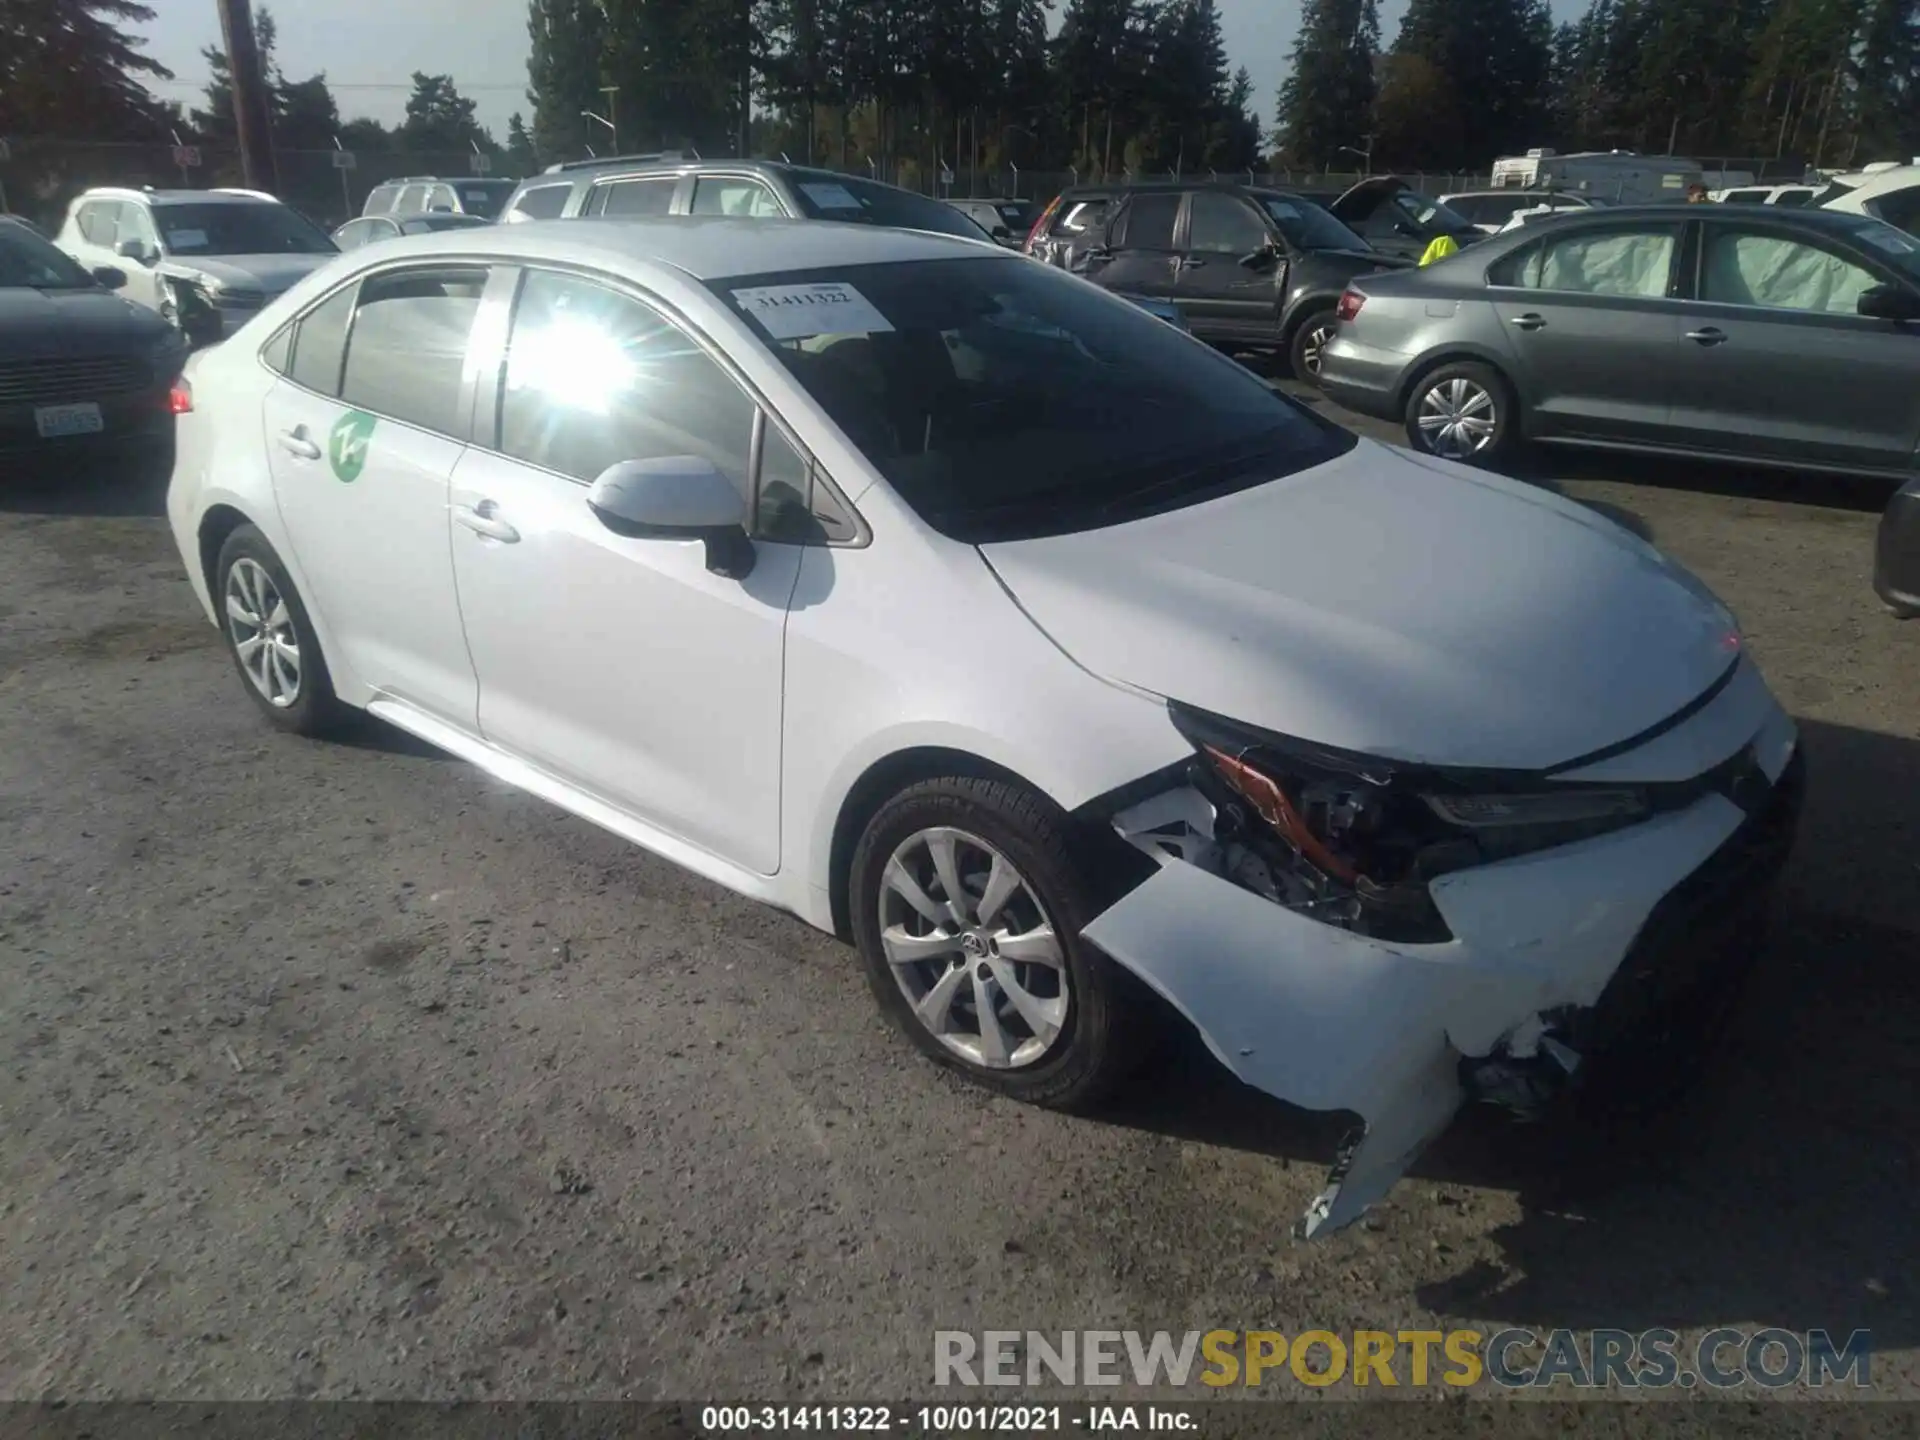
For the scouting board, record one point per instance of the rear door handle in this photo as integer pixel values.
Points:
(1707, 335)
(481, 520)
(295, 442)
(1528, 321)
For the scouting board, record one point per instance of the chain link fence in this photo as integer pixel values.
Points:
(38, 177)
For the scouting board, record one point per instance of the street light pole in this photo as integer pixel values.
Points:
(612, 92)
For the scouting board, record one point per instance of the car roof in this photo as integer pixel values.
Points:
(706, 247)
(178, 197)
(1833, 221)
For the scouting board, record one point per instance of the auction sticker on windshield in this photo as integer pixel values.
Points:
(347, 446)
(794, 312)
(831, 197)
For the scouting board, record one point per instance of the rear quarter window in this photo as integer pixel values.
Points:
(543, 202)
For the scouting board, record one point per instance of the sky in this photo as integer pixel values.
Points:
(368, 48)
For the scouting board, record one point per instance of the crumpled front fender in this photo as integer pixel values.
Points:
(1326, 1019)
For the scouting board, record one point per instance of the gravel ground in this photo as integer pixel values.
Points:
(341, 1070)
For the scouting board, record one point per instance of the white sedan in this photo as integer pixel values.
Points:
(1053, 659)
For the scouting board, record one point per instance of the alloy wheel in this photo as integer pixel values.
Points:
(973, 950)
(1310, 352)
(1457, 418)
(261, 628)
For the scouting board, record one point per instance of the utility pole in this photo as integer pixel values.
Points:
(251, 117)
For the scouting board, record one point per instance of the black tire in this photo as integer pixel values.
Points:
(313, 709)
(1503, 441)
(1107, 1029)
(1304, 348)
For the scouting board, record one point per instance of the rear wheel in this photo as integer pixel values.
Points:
(271, 638)
(967, 906)
(1310, 339)
(1462, 411)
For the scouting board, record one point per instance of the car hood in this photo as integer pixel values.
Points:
(1361, 259)
(51, 324)
(1383, 603)
(269, 274)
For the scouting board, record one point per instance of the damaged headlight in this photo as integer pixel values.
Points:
(1354, 840)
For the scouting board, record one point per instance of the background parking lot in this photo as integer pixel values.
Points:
(340, 1069)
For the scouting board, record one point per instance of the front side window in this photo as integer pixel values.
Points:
(134, 227)
(320, 342)
(594, 377)
(543, 202)
(484, 197)
(411, 200)
(1743, 267)
(238, 228)
(1147, 223)
(1628, 264)
(100, 222)
(1308, 227)
(409, 344)
(356, 233)
(652, 196)
(1079, 217)
(1224, 225)
(1002, 399)
(719, 195)
(1899, 208)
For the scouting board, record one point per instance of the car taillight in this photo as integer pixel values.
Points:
(1040, 224)
(180, 398)
(1349, 305)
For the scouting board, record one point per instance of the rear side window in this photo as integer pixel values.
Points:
(381, 200)
(1745, 197)
(718, 195)
(409, 345)
(1147, 222)
(411, 201)
(99, 221)
(1224, 225)
(544, 202)
(319, 342)
(1793, 197)
(1627, 264)
(593, 377)
(652, 196)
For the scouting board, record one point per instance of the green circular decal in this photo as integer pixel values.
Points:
(347, 446)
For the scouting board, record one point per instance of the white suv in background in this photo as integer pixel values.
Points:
(207, 260)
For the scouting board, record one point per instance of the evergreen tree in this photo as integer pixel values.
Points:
(522, 158)
(440, 118)
(70, 68)
(1326, 102)
(563, 75)
(1495, 56)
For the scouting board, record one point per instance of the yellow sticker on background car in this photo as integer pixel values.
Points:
(347, 446)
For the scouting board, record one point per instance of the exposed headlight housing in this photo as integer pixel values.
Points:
(1355, 840)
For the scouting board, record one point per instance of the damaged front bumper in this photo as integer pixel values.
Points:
(1557, 958)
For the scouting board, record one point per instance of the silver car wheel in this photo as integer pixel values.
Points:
(261, 629)
(1457, 418)
(1310, 352)
(973, 950)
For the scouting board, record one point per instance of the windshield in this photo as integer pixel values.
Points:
(1309, 227)
(484, 197)
(1005, 400)
(237, 228)
(29, 263)
(843, 197)
(416, 223)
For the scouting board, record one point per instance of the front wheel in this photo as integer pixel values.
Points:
(1310, 339)
(1463, 411)
(967, 906)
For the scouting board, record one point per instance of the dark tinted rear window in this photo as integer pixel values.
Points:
(409, 343)
(1003, 399)
(484, 197)
(544, 202)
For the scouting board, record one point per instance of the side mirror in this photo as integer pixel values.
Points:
(138, 251)
(1261, 258)
(1888, 302)
(676, 497)
(110, 278)
(1406, 227)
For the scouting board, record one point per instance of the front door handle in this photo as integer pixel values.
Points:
(295, 442)
(1188, 262)
(482, 520)
(1528, 321)
(1707, 335)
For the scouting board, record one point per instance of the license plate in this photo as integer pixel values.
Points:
(56, 420)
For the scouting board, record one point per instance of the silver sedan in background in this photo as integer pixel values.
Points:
(1771, 335)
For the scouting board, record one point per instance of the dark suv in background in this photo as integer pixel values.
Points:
(670, 183)
(1249, 268)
